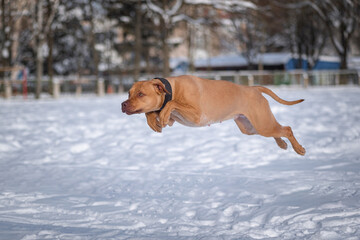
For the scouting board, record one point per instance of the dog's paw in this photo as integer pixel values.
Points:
(155, 125)
(156, 128)
(300, 150)
(153, 122)
(164, 119)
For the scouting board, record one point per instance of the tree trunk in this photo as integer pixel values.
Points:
(299, 64)
(3, 33)
(39, 70)
(190, 40)
(207, 42)
(138, 42)
(39, 44)
(165, 49)
(343, 61)
(147, 59)
(345, 43)
(50, 42)
(93, 42)
(50, 60)
(6, 43)
(164, 37)
(16, 40)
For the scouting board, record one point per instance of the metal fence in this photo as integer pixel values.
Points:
(76, 85)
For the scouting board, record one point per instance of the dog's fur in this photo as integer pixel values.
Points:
(199, 102)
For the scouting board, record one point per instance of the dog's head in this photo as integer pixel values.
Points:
(145, 96)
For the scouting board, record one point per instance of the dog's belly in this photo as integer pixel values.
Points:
(182, 120)
(204, 121)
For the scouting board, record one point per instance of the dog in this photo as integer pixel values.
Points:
(197, 102)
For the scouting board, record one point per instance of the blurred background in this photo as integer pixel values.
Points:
(58, 47)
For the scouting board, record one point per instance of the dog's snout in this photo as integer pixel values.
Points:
(124, 105)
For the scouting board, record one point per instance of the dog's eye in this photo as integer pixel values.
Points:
(140, 94)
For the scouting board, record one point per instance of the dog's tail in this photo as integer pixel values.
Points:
(275, 97)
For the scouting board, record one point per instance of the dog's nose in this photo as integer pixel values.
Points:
(124, 105)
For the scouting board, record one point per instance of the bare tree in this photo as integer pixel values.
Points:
(311, 36)
(248, 33)
(340, 18)
(306, 33)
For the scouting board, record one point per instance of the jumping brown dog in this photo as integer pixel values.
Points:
(196, 102)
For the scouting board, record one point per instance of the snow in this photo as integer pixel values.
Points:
(236, 59)
(229, 5)
(354, 63)
(166, 14)
(222, 60)
(5, 53)
(78, 168)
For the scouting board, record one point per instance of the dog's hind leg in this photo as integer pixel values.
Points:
(288, 133)
(279, 131)
(245, 125)
(281, 143)
(266, 125)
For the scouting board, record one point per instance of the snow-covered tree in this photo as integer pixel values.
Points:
(6, 31)
(12, 13)
(137, 35)
(241, 24)
(71, 29)
(168, 13)
(41, 26)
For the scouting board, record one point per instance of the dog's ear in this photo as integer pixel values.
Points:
(159, 86)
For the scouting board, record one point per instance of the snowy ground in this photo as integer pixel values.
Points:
(81, 169)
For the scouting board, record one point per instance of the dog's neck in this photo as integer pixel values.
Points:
(168, 96)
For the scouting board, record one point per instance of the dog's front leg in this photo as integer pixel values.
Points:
(153, 122)
(171, 122)
(164, 115)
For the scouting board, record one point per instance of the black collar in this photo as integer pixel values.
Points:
(168, 88)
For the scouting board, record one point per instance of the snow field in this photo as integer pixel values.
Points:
(81, 169)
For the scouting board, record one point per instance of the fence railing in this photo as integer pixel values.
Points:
(296, 77)
(78, 85)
